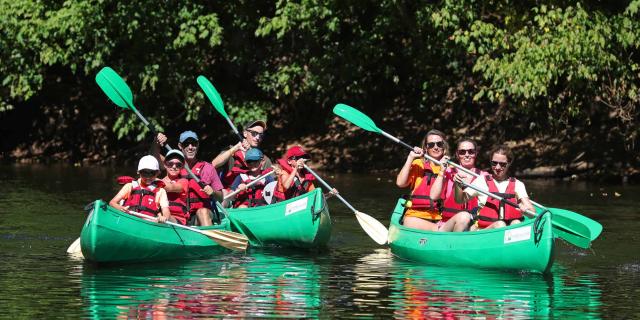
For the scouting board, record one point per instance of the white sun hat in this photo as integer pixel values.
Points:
(148, 162)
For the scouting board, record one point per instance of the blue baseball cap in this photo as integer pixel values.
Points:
(188, 135)
(254, 154)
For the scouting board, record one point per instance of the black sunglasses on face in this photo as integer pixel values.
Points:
(256, 134)
(294, 158)
(253, 162)
(190, 142)
(431, 145)
(462, 152)
(496, 163)
(171, 164)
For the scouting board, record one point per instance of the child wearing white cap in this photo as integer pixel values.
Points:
(145, 195)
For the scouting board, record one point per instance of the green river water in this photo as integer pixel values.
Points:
(41, 213)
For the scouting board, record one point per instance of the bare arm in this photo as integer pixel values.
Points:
(224, 156)
(438, 184)
(121, 195)
(402, 180)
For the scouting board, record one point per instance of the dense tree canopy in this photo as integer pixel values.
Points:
(539, 75)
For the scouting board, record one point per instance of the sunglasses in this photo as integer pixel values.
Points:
(299, 157)
(496, 163)
(253, 162)
(462, 152)
(171, 164)
(431, 145)
(190, 142)
(256, 134)
(147, 173)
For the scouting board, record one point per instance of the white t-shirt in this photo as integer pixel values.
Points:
(481, 183)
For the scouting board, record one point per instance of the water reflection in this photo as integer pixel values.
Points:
(249, 286)
(418, 292)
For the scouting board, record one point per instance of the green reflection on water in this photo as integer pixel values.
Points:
(256, 285)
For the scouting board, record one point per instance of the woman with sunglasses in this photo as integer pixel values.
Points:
(232, 162)
(252, 196)
(493, 213)
(466, 152)
(176, 186)
(424, 205)
(145, 195)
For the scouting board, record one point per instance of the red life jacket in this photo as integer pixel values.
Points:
(196, 198)
(450, 207)
(420, 196)
(239, 166)
(143, 199)
(297, 188)
(252, 196)
(178, 205)
(491, 212)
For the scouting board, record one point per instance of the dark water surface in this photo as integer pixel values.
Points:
(41, 214)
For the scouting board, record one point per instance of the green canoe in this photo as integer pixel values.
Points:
(110, 235)
(301, 222)
(527, 246)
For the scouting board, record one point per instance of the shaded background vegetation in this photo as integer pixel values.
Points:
(556, 80)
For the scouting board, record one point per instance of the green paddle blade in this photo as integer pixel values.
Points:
(356, 117)
(212, 94)
(115, 88)
(576, 221)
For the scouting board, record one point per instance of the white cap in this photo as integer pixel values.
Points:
(148, 162)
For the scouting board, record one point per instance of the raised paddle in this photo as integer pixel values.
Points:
(221, 237)
(363, 121)
(565, 219)
(119, 92)
(376, 230)
(216, 100)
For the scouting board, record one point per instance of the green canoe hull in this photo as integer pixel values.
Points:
(301, 222)
(110, 235)
(528, 246)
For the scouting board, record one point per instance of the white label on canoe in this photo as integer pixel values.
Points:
(295, 206)
(517, 234)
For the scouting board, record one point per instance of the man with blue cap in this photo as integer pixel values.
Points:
(251, 196)
(198, 196)
(232, 161)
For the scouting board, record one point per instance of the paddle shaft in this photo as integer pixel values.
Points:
(330, 188)
(249, 184)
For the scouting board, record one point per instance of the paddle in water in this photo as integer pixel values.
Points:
(580, 227)
(119, 93)
(376, 230)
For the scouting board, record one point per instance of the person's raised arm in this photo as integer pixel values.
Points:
(224, 156)
(402, 180)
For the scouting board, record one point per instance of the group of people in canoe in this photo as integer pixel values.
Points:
(185, 194)
(444, 198)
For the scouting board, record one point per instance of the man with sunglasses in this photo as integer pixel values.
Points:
(231, 162)
(198, 197)
(426, 179)
(145, 195)
(491, 212)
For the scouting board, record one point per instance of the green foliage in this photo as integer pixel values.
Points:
(517, 65)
